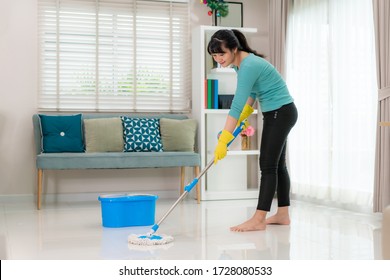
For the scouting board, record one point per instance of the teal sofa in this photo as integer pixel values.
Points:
(112, 160)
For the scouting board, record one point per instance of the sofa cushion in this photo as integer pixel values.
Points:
(61, 133)
(178, 135)
(116, 160)
(103, 135)
(141, 134)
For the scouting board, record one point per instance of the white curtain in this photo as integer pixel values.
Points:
(331, 74)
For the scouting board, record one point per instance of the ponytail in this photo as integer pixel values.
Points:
(229, 39)
(243, 44)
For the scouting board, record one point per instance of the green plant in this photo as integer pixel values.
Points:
(220, 7)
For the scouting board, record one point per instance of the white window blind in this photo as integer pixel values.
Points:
(114, 55)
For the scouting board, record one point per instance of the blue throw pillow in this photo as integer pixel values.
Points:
(62, 134)
(141, 134)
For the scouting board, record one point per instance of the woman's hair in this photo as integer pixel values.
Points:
(230, 39)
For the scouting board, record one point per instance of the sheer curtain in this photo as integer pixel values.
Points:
(331, 74)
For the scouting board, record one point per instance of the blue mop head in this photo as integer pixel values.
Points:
(149, 240)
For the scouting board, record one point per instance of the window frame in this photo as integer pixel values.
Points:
(157, 45)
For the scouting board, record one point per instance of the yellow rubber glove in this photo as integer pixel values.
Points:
(246, 112)
(221, 149)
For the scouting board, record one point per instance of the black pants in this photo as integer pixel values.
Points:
(274, 175)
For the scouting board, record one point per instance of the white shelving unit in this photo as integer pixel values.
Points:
(237, 175)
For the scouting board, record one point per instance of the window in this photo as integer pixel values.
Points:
(114, 55)
(331, 74)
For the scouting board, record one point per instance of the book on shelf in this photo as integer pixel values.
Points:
(212, 98)
(211, 94)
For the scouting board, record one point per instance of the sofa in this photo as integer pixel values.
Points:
(115, 141)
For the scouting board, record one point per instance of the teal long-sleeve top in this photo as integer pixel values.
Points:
(259, 79)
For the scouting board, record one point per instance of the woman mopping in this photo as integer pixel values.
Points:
(258, 80)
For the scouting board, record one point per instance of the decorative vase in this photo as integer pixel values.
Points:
(245, 143)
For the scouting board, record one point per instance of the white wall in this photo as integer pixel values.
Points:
(18, 86)
(255, 14)
(18, 81)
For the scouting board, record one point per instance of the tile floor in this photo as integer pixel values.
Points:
(73, 231)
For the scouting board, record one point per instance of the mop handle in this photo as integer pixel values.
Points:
(236, 132)
(189, 187)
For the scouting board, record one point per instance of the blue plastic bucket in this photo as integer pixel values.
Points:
(126, 210)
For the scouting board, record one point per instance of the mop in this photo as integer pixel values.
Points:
(151, 238)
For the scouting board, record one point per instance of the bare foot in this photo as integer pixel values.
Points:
(257, 222)
(278, 219)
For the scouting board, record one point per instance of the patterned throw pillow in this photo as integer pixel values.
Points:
(141, 134)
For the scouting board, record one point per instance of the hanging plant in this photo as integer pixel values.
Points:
(218, 7)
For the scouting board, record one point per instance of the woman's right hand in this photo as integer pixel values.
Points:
(221, 149)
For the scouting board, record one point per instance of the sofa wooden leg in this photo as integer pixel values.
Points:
(197, 171)
(182, 179)
(39, 194)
